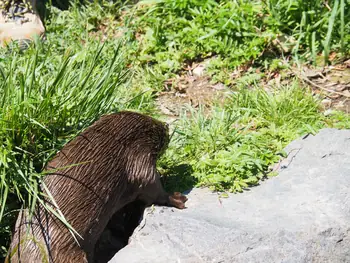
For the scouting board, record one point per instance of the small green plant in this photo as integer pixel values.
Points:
(221, 152)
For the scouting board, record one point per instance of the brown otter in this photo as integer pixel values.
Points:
(109, 165)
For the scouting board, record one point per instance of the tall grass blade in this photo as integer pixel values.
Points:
(342, 26)
(327, 42)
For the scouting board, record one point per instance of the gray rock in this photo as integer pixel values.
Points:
(302, 215)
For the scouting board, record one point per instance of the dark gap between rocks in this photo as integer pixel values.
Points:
(118, 231)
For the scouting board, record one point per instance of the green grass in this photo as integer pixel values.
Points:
(316, 26)
(173, 33)
(233, 147)
(107, 56)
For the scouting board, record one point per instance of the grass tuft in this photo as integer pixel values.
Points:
(232, 148)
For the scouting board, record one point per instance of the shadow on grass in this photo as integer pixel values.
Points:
(179, 178)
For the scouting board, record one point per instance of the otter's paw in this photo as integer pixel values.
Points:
(178, 200)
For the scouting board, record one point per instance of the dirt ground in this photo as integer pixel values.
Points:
(333, 83)
(191, 91)
(194, 88)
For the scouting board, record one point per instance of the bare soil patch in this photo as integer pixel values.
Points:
(333, 83)
(194, 91)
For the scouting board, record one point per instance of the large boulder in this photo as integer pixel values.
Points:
(302, 215)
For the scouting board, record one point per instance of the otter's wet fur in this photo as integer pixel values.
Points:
(116, 165)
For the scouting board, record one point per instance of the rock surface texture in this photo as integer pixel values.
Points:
(302, 215)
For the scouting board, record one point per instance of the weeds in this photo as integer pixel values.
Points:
(177, 31)
(172, 33)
